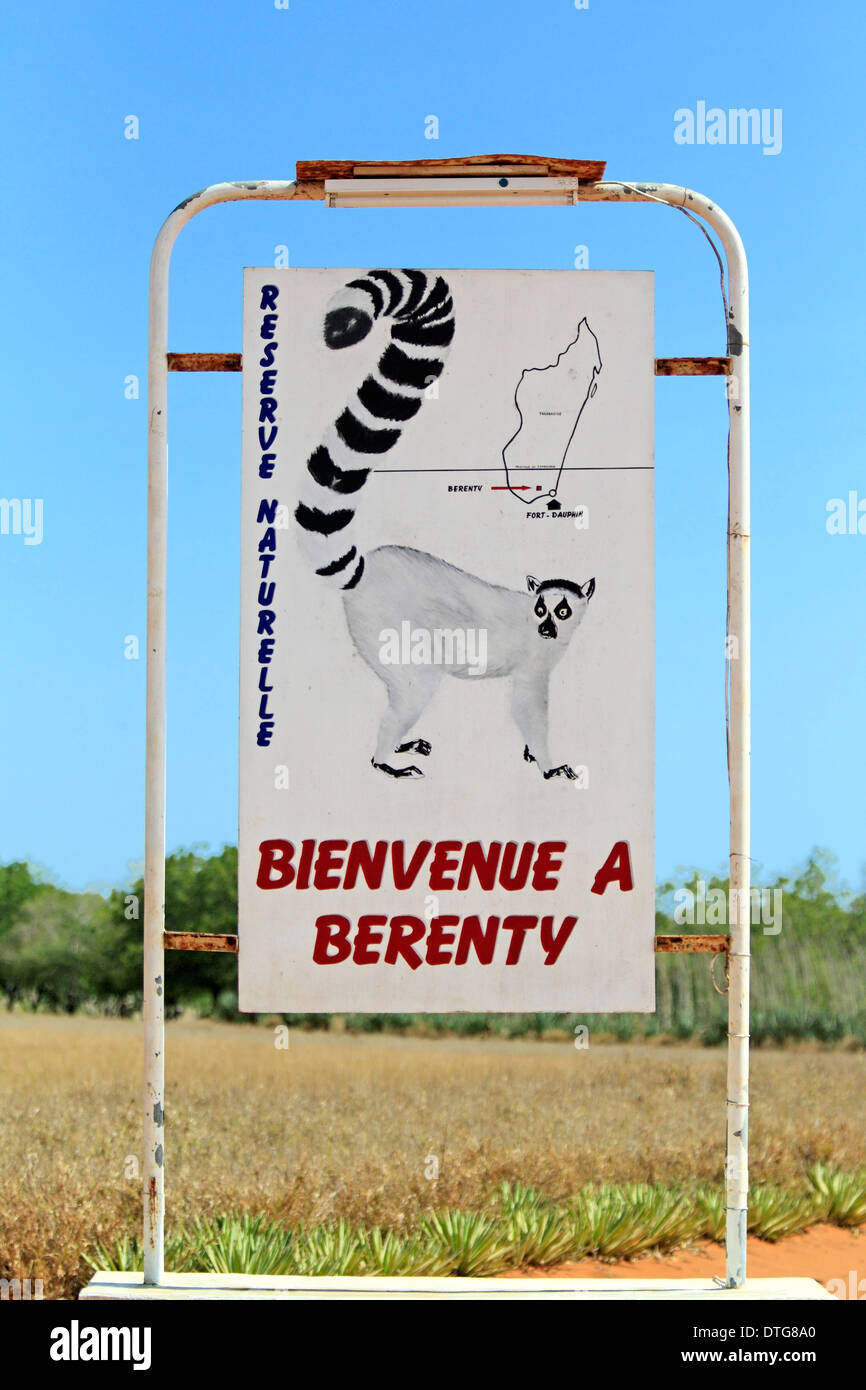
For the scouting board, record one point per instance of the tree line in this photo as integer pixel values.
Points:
(64, 951)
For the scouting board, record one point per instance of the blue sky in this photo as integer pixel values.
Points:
(238, 91)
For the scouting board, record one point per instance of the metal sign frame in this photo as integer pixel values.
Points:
(479, 181)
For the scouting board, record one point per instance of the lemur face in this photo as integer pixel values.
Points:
(559, 605)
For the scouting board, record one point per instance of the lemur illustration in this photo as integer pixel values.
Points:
(527, 632)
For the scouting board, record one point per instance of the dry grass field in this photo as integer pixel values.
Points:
(338, 1125)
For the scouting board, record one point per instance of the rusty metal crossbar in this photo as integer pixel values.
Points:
(198, 941)
(690, 944)
(693, 366)
(204, 361)
(233, 362)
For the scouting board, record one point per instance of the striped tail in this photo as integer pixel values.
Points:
(423, 326)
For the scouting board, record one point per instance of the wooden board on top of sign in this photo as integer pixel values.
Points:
(469, 166)
(446, 722)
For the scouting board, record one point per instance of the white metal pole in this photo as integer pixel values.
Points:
(739, 740)
(154, 840)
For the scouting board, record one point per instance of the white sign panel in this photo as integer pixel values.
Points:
(446, 671)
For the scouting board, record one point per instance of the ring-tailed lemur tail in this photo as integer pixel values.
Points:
(423, 325)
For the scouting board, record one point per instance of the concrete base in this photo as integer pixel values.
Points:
(112, 1285)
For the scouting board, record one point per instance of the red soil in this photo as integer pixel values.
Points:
(822, 1253)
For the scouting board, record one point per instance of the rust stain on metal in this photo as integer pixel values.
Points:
(693, 366)
(204, 361)
(470, 166)
(735, 340)
(692, 944)
(198, 941)
(191, 199)
(312, 189)
(153, 1210)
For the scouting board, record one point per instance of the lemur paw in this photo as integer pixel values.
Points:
(397, 771)
(563, 771)
(415, 745)
(527, 756)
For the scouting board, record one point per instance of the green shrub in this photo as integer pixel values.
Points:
(522, 1227)
(843, 1195)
